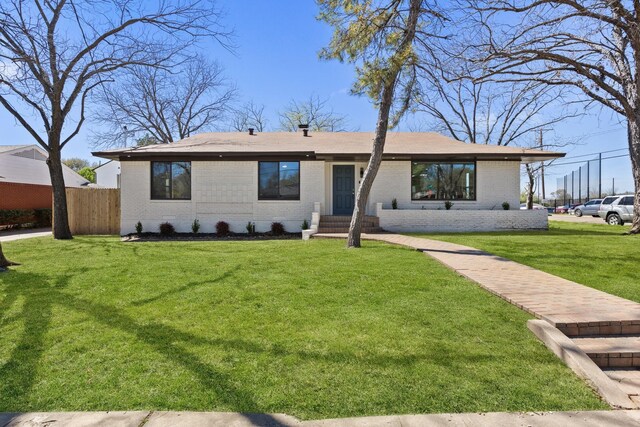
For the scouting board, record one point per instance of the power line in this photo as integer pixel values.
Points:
(582, 161)
(599, 152)
(587, 135)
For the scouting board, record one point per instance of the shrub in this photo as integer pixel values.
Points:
(40, 217)
(88, 174)
(43, 217)
(305, 225)
(505, 206)
(448, 204)
(394, 203)
(251, 227)
(222, 228)
(195, 227)
(277, 229)
(167, 229)
(138, 227)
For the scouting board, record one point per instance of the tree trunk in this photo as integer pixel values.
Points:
(4, 262)
(355, 228)
(530, 186)
(60, 218)
(633, 133)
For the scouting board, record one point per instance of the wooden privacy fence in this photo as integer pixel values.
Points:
(94, 210)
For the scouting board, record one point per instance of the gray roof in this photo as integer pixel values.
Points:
(29, 171)
(5, 148)
(324, 145)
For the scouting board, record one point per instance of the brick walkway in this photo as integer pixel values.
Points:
(605, 327)
(573, 308)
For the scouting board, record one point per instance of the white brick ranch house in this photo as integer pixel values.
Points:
(288, 177)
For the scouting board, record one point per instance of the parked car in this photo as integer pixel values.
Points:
(562, 209)
(589, 208)
(615, 210)
(523, 206)
(572, 208)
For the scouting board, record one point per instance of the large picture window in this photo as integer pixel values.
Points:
(278, 180)
(443, 181)
(171, 180)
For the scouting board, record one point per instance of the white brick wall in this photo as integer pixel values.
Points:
(228, 191)
(496, 182)
(412, 220)
(220, 191)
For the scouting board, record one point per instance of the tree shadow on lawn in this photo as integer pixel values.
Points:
(186, 287)
(18, 374)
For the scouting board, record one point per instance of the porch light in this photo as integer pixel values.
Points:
(361, 172)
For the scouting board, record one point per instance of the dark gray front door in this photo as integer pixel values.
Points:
(343, 189)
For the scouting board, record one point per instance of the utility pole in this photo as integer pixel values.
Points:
(544, 196)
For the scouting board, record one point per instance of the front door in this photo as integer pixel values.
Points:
(343, 189)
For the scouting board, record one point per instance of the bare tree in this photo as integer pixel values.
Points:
(54, 53)
(249, 115)
(460, 104)
(168, 105)
(592, 46)
(314, 112)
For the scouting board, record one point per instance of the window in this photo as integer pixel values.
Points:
(627, 201)
(443, 181)
(171, 180)
(278, 180)
(609, 200)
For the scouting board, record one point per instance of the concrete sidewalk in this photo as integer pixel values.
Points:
(178, 419)
(8, 236)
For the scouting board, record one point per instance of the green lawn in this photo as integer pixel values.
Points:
(596, 255)
(305, 328)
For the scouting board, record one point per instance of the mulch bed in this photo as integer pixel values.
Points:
(203, 237)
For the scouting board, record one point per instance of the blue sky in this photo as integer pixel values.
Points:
(276, 60)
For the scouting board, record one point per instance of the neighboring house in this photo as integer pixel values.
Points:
(288, 177)
(108, 174)
(24, 177)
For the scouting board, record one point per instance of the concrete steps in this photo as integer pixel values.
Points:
(628, 379)
(615, 348)
(340, 224)
(612, 351)
(600, 328)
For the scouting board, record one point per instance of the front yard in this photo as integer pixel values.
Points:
(305, 328)
(595, 255)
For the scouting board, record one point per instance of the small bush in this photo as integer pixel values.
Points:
(167, 229)
(43, 217)
(505, 206)
(138, 227)
(195, 227)
(18, 217)
(394, 203)
(222, 228)
(277, 229)
(448, 204)
(251, 227)
(305, 225)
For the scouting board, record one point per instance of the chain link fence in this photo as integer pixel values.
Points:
(586, 182)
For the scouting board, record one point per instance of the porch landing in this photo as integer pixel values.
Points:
(340, 224)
